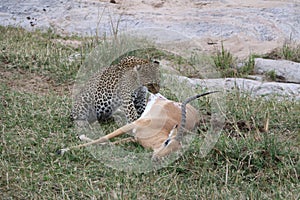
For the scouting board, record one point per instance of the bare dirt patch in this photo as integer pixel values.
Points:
(22, 81)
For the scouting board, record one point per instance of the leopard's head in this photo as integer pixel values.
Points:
(147, 71)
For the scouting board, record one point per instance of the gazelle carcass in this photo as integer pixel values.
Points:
(160, 128)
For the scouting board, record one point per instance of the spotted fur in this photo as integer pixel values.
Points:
(118, 86)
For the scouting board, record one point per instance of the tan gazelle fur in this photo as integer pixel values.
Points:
(160, 128)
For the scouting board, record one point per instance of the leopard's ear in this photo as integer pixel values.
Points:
(156, 62)
(137, 67)
(127, 61)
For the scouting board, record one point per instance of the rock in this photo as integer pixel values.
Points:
(286, 71)
(255, 88)
(243, 27)
(255, 77)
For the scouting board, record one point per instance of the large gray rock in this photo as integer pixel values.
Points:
(255, 88)
(286, 70)
(243, 27)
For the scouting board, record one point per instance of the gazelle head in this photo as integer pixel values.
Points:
(171, 144)
(174, 141)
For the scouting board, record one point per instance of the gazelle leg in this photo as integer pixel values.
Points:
(84, 138)
(125, 140)
(103, 139)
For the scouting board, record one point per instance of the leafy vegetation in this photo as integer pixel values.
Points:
(256, 157)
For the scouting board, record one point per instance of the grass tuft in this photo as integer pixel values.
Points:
(290, 50)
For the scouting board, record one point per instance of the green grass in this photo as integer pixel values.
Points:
(40, 53)
(290, 50)
(246, 163)
(226, 62)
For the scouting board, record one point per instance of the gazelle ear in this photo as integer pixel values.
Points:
(174, 131)
(172, 134)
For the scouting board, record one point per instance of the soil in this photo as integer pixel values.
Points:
(24, 81)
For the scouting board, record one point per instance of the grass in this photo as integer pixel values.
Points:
(248, 161)
(226, 63)
(289, 51)
(271, 75)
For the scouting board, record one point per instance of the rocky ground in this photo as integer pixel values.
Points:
(244, 27)
(286, 83)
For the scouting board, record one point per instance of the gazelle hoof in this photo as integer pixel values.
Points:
(61, 151)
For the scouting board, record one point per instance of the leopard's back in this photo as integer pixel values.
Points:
(122, 85)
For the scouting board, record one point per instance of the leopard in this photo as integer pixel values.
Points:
(122, 86)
